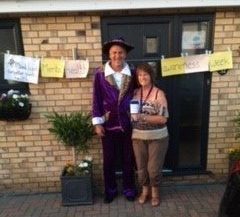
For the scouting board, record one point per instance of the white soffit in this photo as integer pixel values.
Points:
(29, 6)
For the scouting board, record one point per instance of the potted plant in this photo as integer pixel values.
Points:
(234, 154)
(74, 130)
(14, 106)
(230, 203)
(234, 157)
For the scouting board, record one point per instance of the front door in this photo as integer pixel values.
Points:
(187, 95)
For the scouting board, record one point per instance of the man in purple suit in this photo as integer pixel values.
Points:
(112, 92)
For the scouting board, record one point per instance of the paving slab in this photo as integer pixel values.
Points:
(177, 201)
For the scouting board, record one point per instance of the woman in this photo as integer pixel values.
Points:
(150, 134)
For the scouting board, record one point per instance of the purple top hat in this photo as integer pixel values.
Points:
(117, 41)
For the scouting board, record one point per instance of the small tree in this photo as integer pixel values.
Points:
(74, 129)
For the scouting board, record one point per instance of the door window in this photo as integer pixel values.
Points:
(194, 36)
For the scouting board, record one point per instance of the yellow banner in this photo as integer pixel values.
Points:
(52, 68)
(173, 66)
(220, 61)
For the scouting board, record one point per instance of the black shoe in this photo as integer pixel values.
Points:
(108, 199)
(130, 198)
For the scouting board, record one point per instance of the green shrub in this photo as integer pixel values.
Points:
(234, 154)
(74, 129)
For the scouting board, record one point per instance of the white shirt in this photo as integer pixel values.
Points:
(117, 75)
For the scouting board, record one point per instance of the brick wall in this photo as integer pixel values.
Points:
(30, 157)
(225, 94)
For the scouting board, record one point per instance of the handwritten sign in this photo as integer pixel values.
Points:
(52, 68)
(193, 40)
(76, 68)
(196, 63)
(220, 61)
(172, 66)
(20, 68)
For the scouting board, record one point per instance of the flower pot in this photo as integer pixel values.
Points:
(14, 106)
(230, 203)
(232, 163)
(77, 190)
(15, 114)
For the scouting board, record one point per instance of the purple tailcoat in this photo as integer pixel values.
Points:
(113, 104)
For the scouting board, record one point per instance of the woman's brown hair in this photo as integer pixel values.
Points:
(146, 68)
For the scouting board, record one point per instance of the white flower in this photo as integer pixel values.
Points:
(15, 96)
(85, 164)
(4, 95)
(24, 95)
(81, 165)
(10, 92)
(88, 158)
(21, 104)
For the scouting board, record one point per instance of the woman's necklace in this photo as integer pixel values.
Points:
(141, 99)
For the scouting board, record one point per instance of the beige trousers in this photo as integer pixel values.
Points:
(150, 155)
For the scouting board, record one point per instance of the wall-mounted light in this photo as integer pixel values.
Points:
(223, 72)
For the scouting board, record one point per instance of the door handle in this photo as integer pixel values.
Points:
(208, 82)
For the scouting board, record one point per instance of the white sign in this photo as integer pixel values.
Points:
(76, 68)
(197, 63)
(193, 40)
(20, 68)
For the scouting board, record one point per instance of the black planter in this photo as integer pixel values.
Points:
(77, 190)
(230, 203)
(15, 114)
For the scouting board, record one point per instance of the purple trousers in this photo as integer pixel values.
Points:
(110, 142)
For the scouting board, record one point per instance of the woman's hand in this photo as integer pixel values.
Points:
(142, 117)
(152, 119)
(99, 130)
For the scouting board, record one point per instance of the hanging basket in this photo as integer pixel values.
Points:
(14, 106)
(15, 113)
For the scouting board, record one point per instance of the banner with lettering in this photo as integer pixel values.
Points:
(221, 61)
(196, 63)
(52, 68)
(173, 66)
(76, 68)
(21, 68)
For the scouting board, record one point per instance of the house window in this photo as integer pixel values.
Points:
(11, 40)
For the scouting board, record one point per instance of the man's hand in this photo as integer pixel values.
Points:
(99, 130)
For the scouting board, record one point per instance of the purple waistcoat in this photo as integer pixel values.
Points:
(112, 103)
